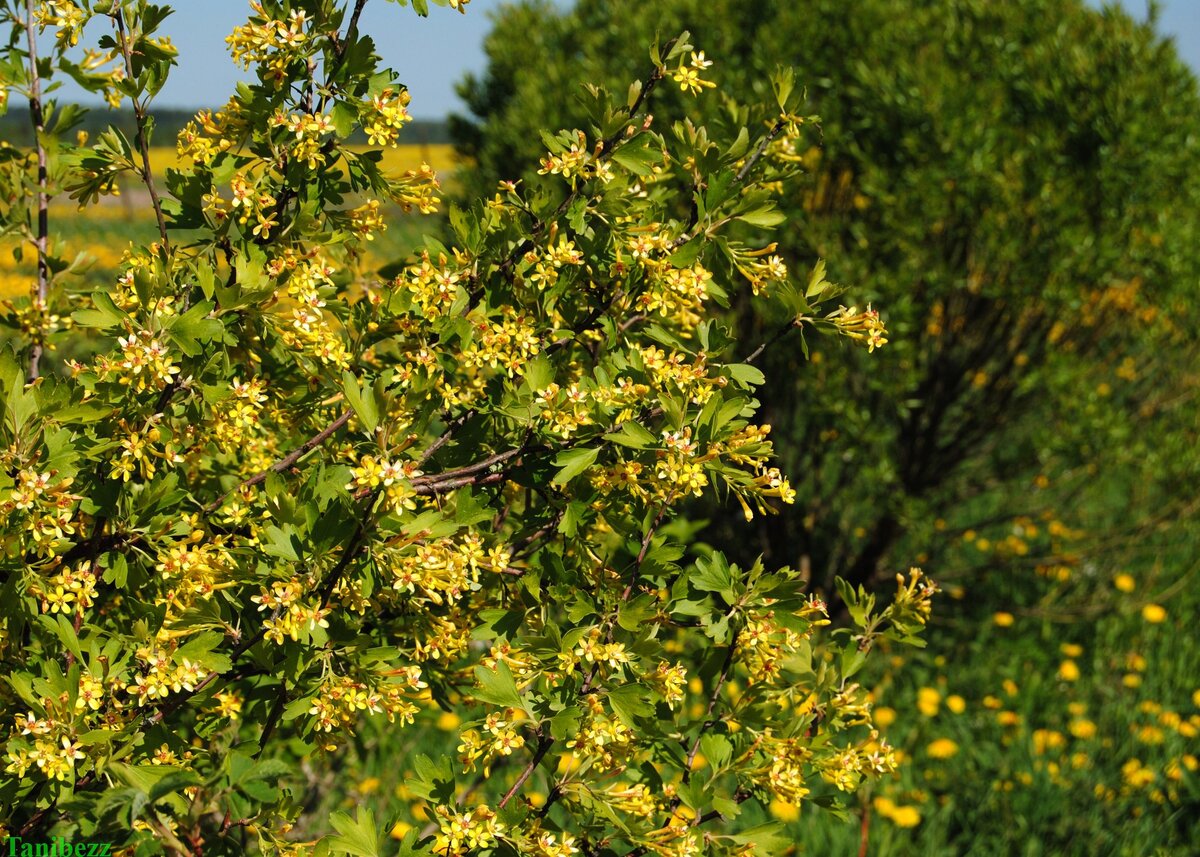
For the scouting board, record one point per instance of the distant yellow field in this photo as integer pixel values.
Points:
(104, 231)
(410, 156)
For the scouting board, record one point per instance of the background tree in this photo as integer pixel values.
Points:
(1017, 184)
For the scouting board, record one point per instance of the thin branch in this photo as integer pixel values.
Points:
(543, 747)
(139, 114)
(43, 199)
(779, 334)
(712, 702)
(775, 131)
(286, 462)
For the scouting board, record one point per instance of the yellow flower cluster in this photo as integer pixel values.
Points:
(291, 615)
(145, 362)
(305, 133)
(764, 643)
(35, 321)
(688, 76)
(434, 287)
(460, 833)
(865, 326)
(670, 682)
(563, 411)
(270, 43)
(760, 271)
(603, 741)
(138, 454)
(387, 115)
(65, 16)
(237, 419)
(498, 738)
(210, 134)
(543, 268)
(69, 591)
(162, 675)
(340, 699)
(366, 220)
(394, 477)
(302, 323)
(508, 343)
(575, 162)
(47, 507)
(442, 570)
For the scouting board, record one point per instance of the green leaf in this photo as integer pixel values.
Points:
(746, 375)
(358, 836)
(639, 155)
(498, 686)
(177, 780)
(633, 435)
(104, 313)
(572, 462)
(630, 701)
(764, 215)
(361, 401)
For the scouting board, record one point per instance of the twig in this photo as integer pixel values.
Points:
(43, 199)
(543, 747)
(758, 152)
(712, 702)
(779, 334)
(285, 462)
(139, 114)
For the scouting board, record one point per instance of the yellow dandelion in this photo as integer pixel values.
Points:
(942, 748)
(1068, 670)
(928, 701)
(1082, 728)
(1154, 613)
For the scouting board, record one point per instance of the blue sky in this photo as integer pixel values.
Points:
(432, 54)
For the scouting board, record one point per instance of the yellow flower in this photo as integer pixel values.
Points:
(1068, 670)
(956, 703)
(1071, 650)
(1154, 613)
(448, 721)
(885, 717)
(1008, 718)
(1124, 582)
(1082, 728)
(399, 829)
(906, 816)
(942, 748)
(1003, 619)
(784, 811)
(928, 700)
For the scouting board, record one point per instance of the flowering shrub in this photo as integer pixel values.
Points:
(274, 494)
